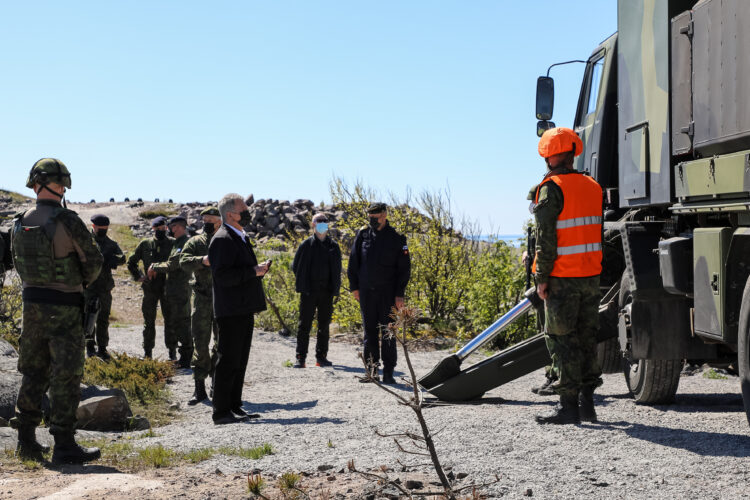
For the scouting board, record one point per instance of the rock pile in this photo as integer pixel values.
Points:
(270, 218)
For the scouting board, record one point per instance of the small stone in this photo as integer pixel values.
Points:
(218, 472)
(174, 406)
(461, 475)
(413, 484)
(528, 493)
(323, 468)
(330, 478)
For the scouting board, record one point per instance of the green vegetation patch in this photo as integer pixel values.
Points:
(164, 209)
(142, 380)
(714, 375)
(16, 197)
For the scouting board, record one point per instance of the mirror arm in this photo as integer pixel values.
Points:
(566, 62)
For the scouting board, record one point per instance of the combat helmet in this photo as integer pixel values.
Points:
(559, 140)
(48, 170)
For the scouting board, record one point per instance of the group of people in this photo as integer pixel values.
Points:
(64, 265)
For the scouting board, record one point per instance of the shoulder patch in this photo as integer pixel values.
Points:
(405, 250)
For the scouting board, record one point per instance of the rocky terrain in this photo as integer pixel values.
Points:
(317, 419)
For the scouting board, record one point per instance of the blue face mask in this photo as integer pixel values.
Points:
(321, 227)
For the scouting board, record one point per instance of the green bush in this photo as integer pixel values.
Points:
(143, 380)
(11, 308)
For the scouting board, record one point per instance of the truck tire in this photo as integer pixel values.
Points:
(609, 355)
(650, 381)
(743, 348)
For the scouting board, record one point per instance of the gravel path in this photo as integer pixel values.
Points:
(697, 448)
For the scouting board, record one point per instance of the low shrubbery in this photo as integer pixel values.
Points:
(460, 283)
(142, 380)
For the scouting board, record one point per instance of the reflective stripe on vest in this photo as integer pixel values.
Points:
(578, 228)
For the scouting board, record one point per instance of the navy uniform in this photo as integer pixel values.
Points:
(379, 270)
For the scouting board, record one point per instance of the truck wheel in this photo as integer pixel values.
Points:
(650, 381)
(609, 355)
(743, 348)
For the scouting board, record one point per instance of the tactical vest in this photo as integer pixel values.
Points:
(579, 227)
(34, 255)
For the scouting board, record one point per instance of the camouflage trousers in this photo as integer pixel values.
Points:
(101, 333)
(151, 300)
(571, 324)
(202, 323)
(177, 326)
(50, 357)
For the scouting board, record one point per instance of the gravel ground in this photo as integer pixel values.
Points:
(696, 448)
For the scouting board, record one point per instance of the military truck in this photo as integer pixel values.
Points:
(664, 115)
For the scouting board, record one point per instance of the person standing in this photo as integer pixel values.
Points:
(568, 260)
(149, 251)
(379, 270)
(238, 295)
(101, 289)
(177, 293)
(56, 257)
(317, 271)
(194, 259)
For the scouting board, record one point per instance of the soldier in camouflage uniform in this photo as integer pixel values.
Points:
(101, 289)
(177, 293)
(194, 259)
(150, 251)
(55, 256)
(568, 211)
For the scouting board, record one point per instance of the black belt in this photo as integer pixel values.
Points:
(49, 296)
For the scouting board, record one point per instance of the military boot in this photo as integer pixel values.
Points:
(67, 451)
(28, 446)
(103, 354)
(566, 412)
(90, 349)
(586, 405)
(300, 362)
(172, 354)
(200, 392)
(546, 388)
(388, 376)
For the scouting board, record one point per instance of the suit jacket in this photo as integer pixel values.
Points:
(237, 290)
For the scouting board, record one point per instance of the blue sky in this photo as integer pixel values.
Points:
(191, 100)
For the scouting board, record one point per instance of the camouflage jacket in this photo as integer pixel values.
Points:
(149, 251)
(191, 260)
(177, 278)
(546, 210)
(113, 257)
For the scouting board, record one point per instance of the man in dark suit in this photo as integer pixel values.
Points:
(238, 294)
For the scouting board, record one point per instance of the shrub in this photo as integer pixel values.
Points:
(11, 308)
(164, 210)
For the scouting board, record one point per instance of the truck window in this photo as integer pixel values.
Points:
(595, 84)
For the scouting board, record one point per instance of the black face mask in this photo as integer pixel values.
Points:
(160, 234)
(171, 233)
(245, 218)
(374, 223)
(209, 228)
(101, 233)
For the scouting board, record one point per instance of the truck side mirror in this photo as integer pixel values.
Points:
(542, 126)
(545, 97)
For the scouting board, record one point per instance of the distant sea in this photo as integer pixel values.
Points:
(511, 239)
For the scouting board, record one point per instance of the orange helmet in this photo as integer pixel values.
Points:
(559, 140)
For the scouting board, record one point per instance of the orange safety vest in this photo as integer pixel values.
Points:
(579, 227)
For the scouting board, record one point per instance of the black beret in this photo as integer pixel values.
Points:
(210, 211)
(100, 220)
(376, 207)
(158, 221)
(177, 218)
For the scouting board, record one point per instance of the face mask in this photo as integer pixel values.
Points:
(321, 227)
(209, 228)
(101, 233)
(374, 223)
(171, 233)
(245, 218)
(160, 234)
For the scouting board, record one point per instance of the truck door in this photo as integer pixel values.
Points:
(596, 118)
